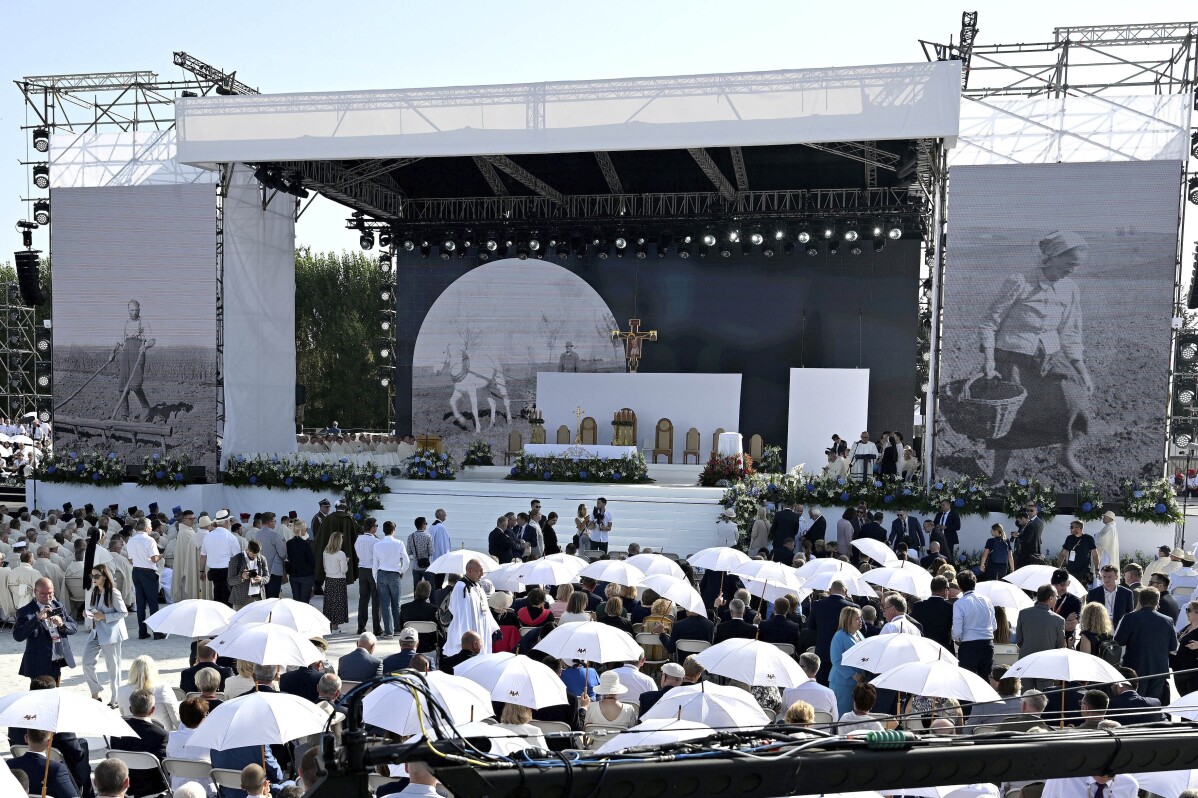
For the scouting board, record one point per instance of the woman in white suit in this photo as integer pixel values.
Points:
(104, 611)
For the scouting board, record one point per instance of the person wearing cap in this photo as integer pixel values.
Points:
(1067, 605)
(608, 710)
(569, 359)
(408, 640)
(1107, 540)
(324, 509)
(218, 548)
(672, 675)
(1032, 337)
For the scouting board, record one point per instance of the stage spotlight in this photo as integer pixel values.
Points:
(779, 234)
(491, 243)
(812, 248)
(804, 234)
(384, 238)
(684, 247)
(366, 239)
(535, 244)
(850, 232)
(1186, 357)
(621, 245)
(877, 229)
(408, 244)
(828, 231)
(41, 139)
(522, 248)
(834, 246)
(385, 376)
(895, 231)
(1185, 395)
(41, 212)
(41, 175)
(602, 247)
(726, 248)
(578, 244)
(1183, 432)
(1194, 144)
(562, 249)
(664, 242)
(384, 347)
(1193, 190)
(26, 230)
(709, 239)
(756, 238)
(449, 246)
(855, 249)
(505, 246)
(733, 235)
(642, 247)
(384, 261)
(386, 319)
(769, 246)
(387, 292)
(879, 244)
(426, 248)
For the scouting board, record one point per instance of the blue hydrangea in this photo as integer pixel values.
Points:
(241, 458)
(583, 474)
(421, 470)
(288, 482)
(1087, 506)
(973, 488)
(444, 456)
(844, 497)
(1161, 509)
(888, 499)
(432, 474)
(939, 486)
(253, 480)
(378, 474)
(513, 471)
(324, 477)
(343, 460)
(357, 516)
(96, 477)
(366, 489)
(772, 487)
(906, 491)
(960, 558)
(72, 455)
(616, 476)
(112, 455)
(958, 503)
(547, 475)
(311, 462)
(51, 470)
(178, 477)
(156, 456)
(81, 467)
(1139, 494)
(274, 458)
(1023, 483)
(840, 481)
(159, 474)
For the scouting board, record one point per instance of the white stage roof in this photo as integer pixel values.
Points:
(865, 103)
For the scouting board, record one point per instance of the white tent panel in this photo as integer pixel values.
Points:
(901, 101)
(127, 158)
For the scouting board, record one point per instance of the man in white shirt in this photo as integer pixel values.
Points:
(1121, 786)
(821, 698)
(368, 593)
(218, 548)
(894, 608)
(143, 553)
(973, 627)
(727, 533)
(602, 523)
(274, 549)
(390, 563)
(636, 682)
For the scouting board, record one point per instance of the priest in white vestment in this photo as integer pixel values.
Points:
(1108, 541)
(471, 612)
(862, 456)
(184, 562)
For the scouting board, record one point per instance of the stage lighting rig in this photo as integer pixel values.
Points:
(386, 319)
(385, 348)
(449, 246)
(536, 246)
(834, 246)
(684, 247)
(408, 244)
(41, 212)
(26, 230)
(561, 248)
(385, 375)
(1193, 190)
(804, 234)
(426, 248)
(578, 244)
(385, 262)
(621, 245)
(664, 241)
(895, 231)
(387, 292)
(366, 239)
(1194, 144)
(642, 246)
(41, 175)
(384, 238)
(602, 247)
(828, 231)
(41, 139)
(851, 233)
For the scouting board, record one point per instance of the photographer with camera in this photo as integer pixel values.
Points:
(43, 626)
(600, 525)
(248, 575)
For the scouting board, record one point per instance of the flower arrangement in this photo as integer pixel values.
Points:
(1023, 490)
(1089, 502)
(360, 485)
(771, 460)
(628, 469)
(1151, 501)
(720, 472)
(164, 472)
(429, 464)
(479, 453)
(966, 496)
(91, 469)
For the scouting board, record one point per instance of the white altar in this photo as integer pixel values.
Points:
(576, 451)
(706, 402)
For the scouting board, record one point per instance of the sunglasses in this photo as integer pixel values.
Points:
(97, 576)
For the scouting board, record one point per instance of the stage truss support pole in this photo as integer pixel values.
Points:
(935, 256)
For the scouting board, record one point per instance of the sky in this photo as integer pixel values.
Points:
(301, 45)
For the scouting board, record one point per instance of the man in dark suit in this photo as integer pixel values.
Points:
(472, 645)
(906, 529)
(151, 738)
(407, 649)
(934, 552)
(671, 676)
(205, 658)
(1168, 605)
(786, 525)
(935, 614)
(736, 626)
(723, 612)
(1148, 638)
(44, 625)
(784, 552)
(421, 609)
(779, 628)
(1031, 537)
(238, 758)
(594, 598)
(1117, 599)
(948, 522)
(499, 543)
(33, 763)
(1125, 698)
(689, 626)
(817, 531)
(360, 665)
(74, 749)
(825, 622)
(1067, 605)
(302, 682)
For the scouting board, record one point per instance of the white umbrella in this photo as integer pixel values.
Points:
(8, 782)
(503, 740)
(718, 558)
(876, 550)
(1064, 665)
(1031, 577)
(618, 571)
(865, 794)
(259, 719)
(480, 661)
(765, 571)
(719, 706)
(752, 662)
(655, 733)
(399, 707)
(303, 618)
(824, 564)
(906, 578)
(561, 556)
(547, 572)
(679, 591)
(1167, 783)
(454, 562)
(1185, 707)
(60, 710)
(654, 564)
(519, 680)
(1004, 594)
(190, 618)
(883, 652)
(856, 585)
(506, 577)
(770, 589)
(591, 642)
(267, 644)
(950, 791)
(24, 439)
(937, 679)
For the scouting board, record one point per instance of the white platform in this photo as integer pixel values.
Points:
(672, 513)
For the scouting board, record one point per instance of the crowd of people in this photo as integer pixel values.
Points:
(333, 444)
(135, 561)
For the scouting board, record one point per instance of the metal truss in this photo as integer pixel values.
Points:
(211, 75)
(531, 181)
(865, 152)
(491, 176)
(708, 165)
(738, 168)
(20, 364)
(609, 172)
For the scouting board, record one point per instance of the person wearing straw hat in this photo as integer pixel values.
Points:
(608, 709)
(1032, 337)
(727, 533)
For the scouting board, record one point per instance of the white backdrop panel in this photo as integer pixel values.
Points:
(259, 295)
(702, 401)
(893, 101)
(824, 402)
(210, 498)
(134, 158)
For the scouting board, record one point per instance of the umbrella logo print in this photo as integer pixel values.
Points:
(513, 693)
(771, 676)
(582, 650)
(30, 717)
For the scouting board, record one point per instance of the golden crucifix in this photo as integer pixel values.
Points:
(633, 342)
(578, 418)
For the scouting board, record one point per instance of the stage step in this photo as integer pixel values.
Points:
(678, 517)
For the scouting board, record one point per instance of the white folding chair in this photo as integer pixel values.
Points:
(599, 733)
(193, 769)
(785, 648)
(820, 718)
(144, 761)
(226, 777)
(552, 726)
(686, 647)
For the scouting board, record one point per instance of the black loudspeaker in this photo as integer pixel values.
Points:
(301, 395)
(196, 474)
(28, 277)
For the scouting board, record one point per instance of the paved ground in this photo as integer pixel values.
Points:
(170, 654)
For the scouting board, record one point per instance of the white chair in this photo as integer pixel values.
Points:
(552, 726)
(821, 718)
(599, 733)
(226, 777)
(526, 629)
(18, 749)
(1005, 653)
(785, 648)
(193, 769)
(219, 696)
(144, 761)
(347, 685)
(686, 647)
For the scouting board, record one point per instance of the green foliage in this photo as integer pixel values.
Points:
(771, 460)
(1089, 502)
(90, 468)
(1021, 491)
(627, 469)
(1151, 501)
(359, 485)
(336, 329)
(428, 464)
(163, 472)
(479, 454)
